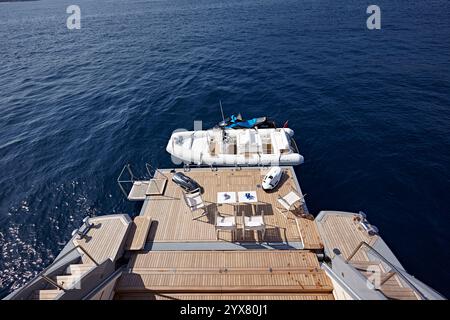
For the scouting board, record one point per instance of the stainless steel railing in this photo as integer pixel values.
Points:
(396, 270)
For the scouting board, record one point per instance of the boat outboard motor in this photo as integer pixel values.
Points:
(186, 183)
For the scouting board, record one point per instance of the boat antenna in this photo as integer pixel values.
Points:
(221, 110)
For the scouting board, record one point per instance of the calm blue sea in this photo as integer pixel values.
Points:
(371, 110)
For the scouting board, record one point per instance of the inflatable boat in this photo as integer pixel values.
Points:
(222, 146)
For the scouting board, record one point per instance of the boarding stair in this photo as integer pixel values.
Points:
(385, 277)
(249, 274)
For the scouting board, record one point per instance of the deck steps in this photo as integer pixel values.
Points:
(79, 269)
(391, 286)
(45, 294)
(365, 265)
(231, 283)
(74, 273)
(386, 279)
(246, 259)
(225, 272)
(233, 296)
(399, 293)
(66, 281)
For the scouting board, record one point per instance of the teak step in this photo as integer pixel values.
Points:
(392, 287)
(252, 271)
(45, 294)
(316, 282)
(392, 282)
(399, 293)
(138, 233)
(67, 281)
(364, 265)
(156, 187)
(78, 269)
(384, 276)
(215, 260)
(225, 296)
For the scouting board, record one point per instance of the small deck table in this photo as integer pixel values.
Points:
(247, 197)
(226, 197)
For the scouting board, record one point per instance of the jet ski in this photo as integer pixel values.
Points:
(186, 183)
(237, 122)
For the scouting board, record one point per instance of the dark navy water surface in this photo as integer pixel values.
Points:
(370, 109)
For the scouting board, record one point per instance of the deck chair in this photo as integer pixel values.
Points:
(254, 223)
(289, 201)
(195, 202)
(225, 223)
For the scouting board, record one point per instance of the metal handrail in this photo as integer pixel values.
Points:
(49, 280)
(355, 251)
(89, 256)
(53, 283)
(393, 267)
(149, 168)
(119, 181)
(105, 281)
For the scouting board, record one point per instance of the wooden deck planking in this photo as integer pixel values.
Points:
(104, 240)
(156, 186)
(138, 233)
(211, 296)
(233, 282)
(340, 231)
(252, 271)
(275, 259)
(174, 220)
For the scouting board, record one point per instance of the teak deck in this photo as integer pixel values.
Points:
(104, 239)
(239, 271)
(172, 219)
(226, 272)
(341, 231)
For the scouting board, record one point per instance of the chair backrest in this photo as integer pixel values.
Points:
(193, 200)
(291, 198)
(217, 216)
(259, 218)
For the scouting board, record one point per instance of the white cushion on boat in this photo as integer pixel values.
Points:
(280, 141)
(249, 141)
(247, 137)
(200, 145)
